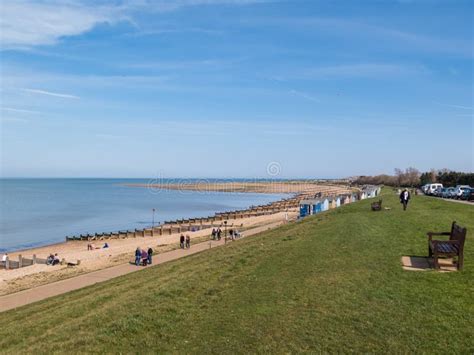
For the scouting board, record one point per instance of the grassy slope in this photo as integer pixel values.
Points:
(332, 282)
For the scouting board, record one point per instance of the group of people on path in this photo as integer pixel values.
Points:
(144, 257)
(217, 233)
(185, 242)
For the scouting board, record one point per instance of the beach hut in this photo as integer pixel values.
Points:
(353, 197)
(332, 203)
(347, 199)
(317, 207)
(304, 210)
(325, 204)
(309, 207)
(338, 201)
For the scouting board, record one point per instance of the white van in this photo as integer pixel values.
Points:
(432, 188)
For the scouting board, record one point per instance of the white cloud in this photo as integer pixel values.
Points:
(49, 93)
(28, 23)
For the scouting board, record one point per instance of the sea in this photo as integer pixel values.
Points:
(38, 212)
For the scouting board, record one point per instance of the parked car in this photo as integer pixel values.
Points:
(438, 192)
(432, 188)
(444, 192)
(460, 189)
(424, 188)
(468, 194)
(451, 193)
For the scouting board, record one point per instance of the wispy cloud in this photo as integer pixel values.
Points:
(462, 107)
(304, 95)
(28, 23)
(366, 70)
(14, 120)
(49, 93)
(11, 109)
(363, 30)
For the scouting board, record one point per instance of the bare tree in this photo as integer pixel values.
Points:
(399, 175)
(412, 176)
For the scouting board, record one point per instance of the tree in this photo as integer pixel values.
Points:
(399, 174)
(412, 176)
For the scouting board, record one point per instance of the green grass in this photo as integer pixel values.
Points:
(331, 283)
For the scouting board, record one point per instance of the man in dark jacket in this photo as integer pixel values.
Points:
(404, 198)
(150, 253)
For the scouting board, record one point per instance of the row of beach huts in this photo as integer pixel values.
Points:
(323, 203)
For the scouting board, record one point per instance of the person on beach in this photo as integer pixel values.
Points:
(219, 234)
(404, 198)
(181, 241)
(55, 259)
(106, 245)
(231, 234)
(150, 253)
(188, 241)
(213, 234)
(50, 259)
(144, 257)
(138, 255)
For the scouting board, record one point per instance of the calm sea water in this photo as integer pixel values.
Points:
(35, 212)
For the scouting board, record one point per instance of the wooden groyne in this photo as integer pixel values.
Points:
(23, 262)
(197, 224)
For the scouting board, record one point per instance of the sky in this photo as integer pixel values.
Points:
(235, 88)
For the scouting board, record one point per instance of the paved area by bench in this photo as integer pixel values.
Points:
(39, 293)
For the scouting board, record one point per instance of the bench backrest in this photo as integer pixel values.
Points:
(458, 233)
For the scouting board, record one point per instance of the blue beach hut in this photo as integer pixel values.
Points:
(304, 210)
(317, 207)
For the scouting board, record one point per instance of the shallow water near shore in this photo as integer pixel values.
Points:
(36, 212)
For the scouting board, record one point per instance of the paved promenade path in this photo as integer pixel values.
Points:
(39, 293)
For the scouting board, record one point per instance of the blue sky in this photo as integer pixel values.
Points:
(208, 88)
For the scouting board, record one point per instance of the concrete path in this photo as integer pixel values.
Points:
(39, 293)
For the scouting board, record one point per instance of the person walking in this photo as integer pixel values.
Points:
(144, 257)
(404, 198)
(138, 256)
(188, 241)
(181, 241)
(150, 253)
(219, 234)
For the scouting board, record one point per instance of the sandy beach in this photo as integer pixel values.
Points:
(119, 251)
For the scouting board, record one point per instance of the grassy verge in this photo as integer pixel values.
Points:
(330, 283)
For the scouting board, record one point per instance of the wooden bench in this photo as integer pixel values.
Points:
(376, 206)
(448, 248)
